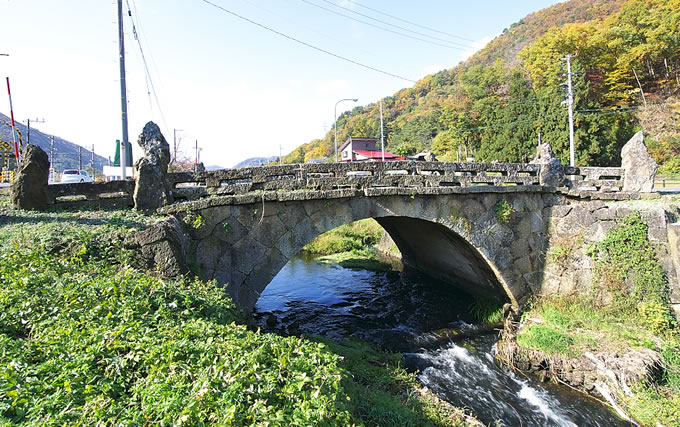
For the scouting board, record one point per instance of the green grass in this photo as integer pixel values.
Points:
(355, 236)
(486, 310)
(85, 338)
(365, 258)
(548, 339)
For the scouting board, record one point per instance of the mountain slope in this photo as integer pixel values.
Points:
(65, 152)
(496, 104)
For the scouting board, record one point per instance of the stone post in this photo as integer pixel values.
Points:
(29, 188)
(152, 189)
(552, 171)
(639, 167)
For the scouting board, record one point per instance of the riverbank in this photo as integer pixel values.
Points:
(620, 342)
(356, 245)
(86, 337)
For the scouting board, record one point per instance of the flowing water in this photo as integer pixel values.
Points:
(401, 312)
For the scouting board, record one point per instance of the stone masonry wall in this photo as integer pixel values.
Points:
(575, 224)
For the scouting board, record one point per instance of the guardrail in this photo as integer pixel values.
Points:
(668, 182)
(98, 194)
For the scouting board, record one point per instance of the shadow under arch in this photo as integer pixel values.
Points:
(441, 253)
(429, 247)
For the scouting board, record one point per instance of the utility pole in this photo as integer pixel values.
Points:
(570, 105)
(28, 129)
(80, 157)
(11, 113)
(174, 144)
(382, 140)
(123, 90)
(52, 157)
(196, 157)
(280, 151)
(94, 172)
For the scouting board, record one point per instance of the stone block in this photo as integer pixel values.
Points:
(537, 224)
(272, 262)
(291, 214)
(208, 252)
(520, 247)
(304, 232)
(246, 254)
(559, 211)
(577, 220)
(269, 231)
(288, 245)
(674, 251)
(230, 231)
(523, 265)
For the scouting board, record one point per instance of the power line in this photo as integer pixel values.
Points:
(382, 28)
(391, 25)
(375, 55)
(307, 44)
(412, 23)
(146, 67)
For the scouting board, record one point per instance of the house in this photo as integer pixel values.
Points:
(363, 150)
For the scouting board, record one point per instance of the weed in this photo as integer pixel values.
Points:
(227, 228)
(486, 310)
(504, 211)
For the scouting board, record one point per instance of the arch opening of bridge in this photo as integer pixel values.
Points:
(443, 254)
(440, 253)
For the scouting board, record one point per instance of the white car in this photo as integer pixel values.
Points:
(75, 175)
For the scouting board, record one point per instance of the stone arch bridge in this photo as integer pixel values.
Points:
(489, 226)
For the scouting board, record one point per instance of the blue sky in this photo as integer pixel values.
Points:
(237, 88)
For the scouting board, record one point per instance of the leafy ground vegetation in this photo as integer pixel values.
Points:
(628, 308)
(86, 338)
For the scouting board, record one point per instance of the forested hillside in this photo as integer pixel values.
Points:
(495, 105)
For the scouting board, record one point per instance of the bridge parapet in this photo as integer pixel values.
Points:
(354, 176)
(594, 178)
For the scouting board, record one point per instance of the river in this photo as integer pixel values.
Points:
(399, 311)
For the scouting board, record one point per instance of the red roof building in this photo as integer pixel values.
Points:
(364, 150)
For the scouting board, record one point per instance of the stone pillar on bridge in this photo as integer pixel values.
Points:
(640, 168)
(152, 189)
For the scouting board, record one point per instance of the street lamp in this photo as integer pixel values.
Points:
(335, 116)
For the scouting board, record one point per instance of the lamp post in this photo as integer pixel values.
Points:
(335, 116)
